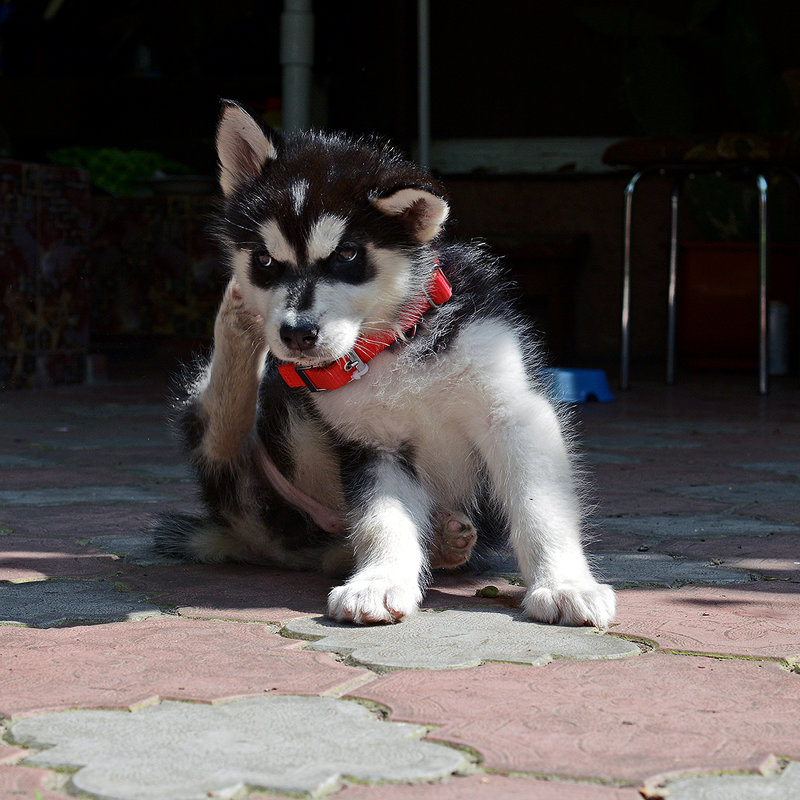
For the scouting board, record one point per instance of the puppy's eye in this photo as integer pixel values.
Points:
(346, 253)
(262, 259)
(347, 263)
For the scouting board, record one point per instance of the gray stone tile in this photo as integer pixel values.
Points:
(743, 494)
(185, 751)
(693, 526)
(659, 569)
(94, 495)
(54, 603)
(677, 428)
(778, 467)
(637, 442)
(734, 787)
(163, 472)
(119, 410)
(23, 461)
(150, 439)
(458, 638)
(601, 457)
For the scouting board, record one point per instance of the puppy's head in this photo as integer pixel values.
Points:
(328, 237)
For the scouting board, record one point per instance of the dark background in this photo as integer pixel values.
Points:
(148, 74)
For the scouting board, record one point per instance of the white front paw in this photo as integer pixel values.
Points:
(583, 602)
(365, 600)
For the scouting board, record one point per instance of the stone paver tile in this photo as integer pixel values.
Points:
(660, 569)
(774, 556)
(781, 786)
(264, 594)
(77, 521)
(758, 619)
(779, 467)
(619, 720)
(69, 476)
(121, 665)
(117, 411)
(92, 495)
(638, 441)
(149, 436)
(490, 787)
(783, 512)
(185, 750)
(692, 526)
(620, 500)
(26, 559)
(27, 783)
(687, 428)
(450, 590)
(135, 548)
(458, 638)
(233, 591)
(762, 493)
(50, 603)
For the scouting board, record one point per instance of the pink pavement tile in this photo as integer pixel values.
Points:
(120, 665)
(27, 783)
(25, 559)
(613, 721)
(8, 755)
(79, 521)
(232, 591)
(775, 555)
(456, 590)
(68, 478)
(490, 787)
(623, 501)
(265, 594)
(759, 619)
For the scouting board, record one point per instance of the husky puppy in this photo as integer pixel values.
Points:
(370, 394)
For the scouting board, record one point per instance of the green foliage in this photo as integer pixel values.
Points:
(120, 172)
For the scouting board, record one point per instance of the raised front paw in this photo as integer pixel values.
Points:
(369, 600)
(583, 602)
(453, 539)
(237, 325)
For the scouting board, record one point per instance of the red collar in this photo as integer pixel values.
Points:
(354, 364)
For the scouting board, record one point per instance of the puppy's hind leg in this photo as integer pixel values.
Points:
(454, 536)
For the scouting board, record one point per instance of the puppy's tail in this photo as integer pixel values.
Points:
(189, 537)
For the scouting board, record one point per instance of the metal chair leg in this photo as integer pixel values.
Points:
(673, 278)
(624, 374)
(763, 267)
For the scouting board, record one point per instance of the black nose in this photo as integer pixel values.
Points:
(299, 337)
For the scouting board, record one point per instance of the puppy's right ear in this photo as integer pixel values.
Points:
(242, 147)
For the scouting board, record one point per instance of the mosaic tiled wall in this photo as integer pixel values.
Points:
(44, 242)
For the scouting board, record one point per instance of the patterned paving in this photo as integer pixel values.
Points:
(118, 665)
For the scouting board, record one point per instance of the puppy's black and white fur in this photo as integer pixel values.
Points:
(328, 240)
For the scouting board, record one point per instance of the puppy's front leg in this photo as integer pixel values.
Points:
(226, 395)
(528, 461)
(389, 511)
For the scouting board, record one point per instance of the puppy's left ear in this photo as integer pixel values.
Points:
(423, 211)
(242, 147)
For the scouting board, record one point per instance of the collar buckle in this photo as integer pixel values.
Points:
(354, 362)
